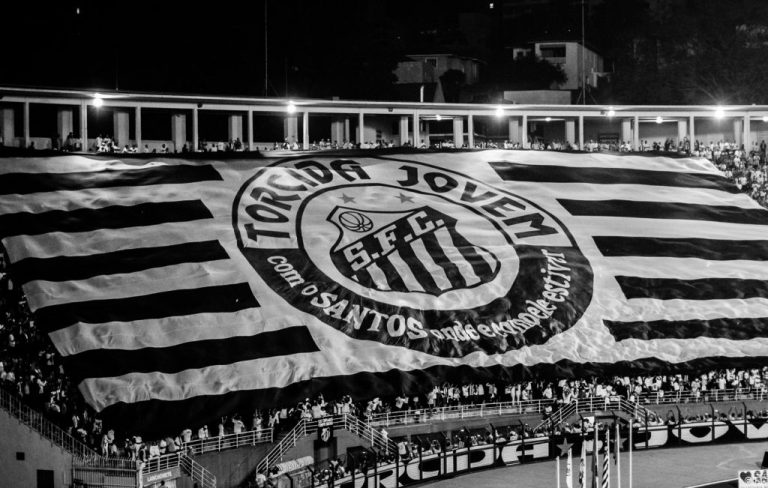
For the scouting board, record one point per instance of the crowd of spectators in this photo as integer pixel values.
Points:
(748, 169)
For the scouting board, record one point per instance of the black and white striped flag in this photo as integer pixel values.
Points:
(178, 290)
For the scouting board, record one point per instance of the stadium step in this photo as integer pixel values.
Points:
(40, 424)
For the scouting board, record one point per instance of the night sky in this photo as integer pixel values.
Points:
(658, 51)
(314, 47)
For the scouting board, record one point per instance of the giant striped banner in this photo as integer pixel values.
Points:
(180, 290)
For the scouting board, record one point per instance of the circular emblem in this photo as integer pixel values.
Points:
(412, 255)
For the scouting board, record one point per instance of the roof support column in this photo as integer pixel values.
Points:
(361, 128)
(337, 131)
(524, 134)
(121, 127)
(470, 131)
(682, 131)
(636, 135)
(570, 132)
(347, 137)
(458, 132)
(178, 131)
(738, 131)
(137, 116)
(250, 130)
(305, 131)
(403, 130)
(514, 130)
(84, 126)
(581, 132)
(26, 125)
(747, 134)
(195, 135)
(7, 127)
(235, 128)
(691, 133)
(290, 129)
(416, 134)
(626, 131)
(64, 118)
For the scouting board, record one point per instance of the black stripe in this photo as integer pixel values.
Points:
(725, 328)
(65, 268)
(665, 210)
(25, 183)
(609, 176)
(103, 363)
(438, 255)
(480, 267)
(419, 271)
(365, 278)
(701, 289)
(394, 280)
(114, 217)
(158, 417)
(712, 249)
(211, 299)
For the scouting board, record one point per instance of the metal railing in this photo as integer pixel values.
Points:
(594, 404)
(365, 431)
(37, 422)
(197, 472)
(706, 396)
(288, 441)
(308, 427)
(188, 466)
(427, 415)
(229, 441)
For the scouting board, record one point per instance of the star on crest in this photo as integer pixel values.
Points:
(347, 199)
(404, 198)
(564, 447)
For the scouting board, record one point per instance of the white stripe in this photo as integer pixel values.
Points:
(168, 278)
(633, 227)
(649, 309)
(405, 272)
(638, 193)
(166, 332)
(685, 268)
(95, 198)
(378, 276)
(487, 257)
(575, 160)
(79, 164)
(450, 250)
(109, 240)
(437, 272)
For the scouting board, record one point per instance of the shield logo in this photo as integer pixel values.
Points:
(417, 250)
(325, 434)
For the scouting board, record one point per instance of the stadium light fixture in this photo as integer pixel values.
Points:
(291, 107)
(499, 112)
(765, 118)
(719, 113)
(98, 101)
(548, 119)
(659, 119)
(611, 112)
(439, 117)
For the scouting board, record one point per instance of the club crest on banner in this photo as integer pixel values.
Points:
(412, 255)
